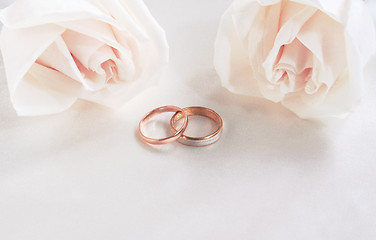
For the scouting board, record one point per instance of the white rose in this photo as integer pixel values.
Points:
(307, 54)
(56, 52)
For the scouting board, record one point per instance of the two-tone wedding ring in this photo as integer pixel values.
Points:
(198, 141)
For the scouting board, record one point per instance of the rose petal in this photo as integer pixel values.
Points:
(82, 47)
(18, 56)
(58, 57)
(325, 38)
(93, 28)
(286, 35)
(357, 21)
(346, 93)
(44, 91)
(153, 55)
(119, 11)
(89, 55)
(295, 62)
(120, 40)
(104, 62)
(230, 61)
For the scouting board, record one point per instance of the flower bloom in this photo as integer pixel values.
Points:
(56, 52)
(307, 54)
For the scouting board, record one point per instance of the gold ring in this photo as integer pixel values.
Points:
(177, 133)
(198, 141)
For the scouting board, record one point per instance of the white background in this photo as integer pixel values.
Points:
(84, 174)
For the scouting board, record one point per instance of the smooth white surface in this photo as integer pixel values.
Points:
(84, 174)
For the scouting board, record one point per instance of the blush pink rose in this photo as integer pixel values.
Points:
(55, 52)
(308, 55)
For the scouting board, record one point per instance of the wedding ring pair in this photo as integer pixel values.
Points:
(178, 132)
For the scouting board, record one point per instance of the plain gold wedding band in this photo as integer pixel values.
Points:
(198, 141)
(177, 133)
